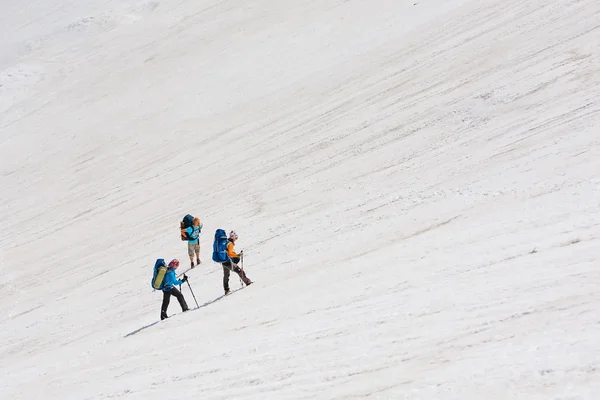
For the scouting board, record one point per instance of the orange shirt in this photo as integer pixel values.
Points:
(230, 252)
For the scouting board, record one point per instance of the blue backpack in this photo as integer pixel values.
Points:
(220, 247)
(185, 223)
(160, 270)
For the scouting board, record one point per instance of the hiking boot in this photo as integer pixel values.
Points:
(227, 292)
(192, 264)
(163, 316)
(198, 261)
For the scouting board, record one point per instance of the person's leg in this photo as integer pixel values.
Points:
(180, 298)
(246, 280)
(226, 272)
(242, 275)
(197, 250)
(191, 253)
(165, 305)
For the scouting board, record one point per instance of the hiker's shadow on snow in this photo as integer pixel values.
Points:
(141, 329)
(208, 303)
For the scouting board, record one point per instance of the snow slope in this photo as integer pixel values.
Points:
(415, 185)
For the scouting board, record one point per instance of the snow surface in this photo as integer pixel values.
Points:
(415, 183)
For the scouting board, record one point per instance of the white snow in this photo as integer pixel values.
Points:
(415, 184)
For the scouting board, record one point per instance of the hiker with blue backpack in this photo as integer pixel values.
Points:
(190, 231)
(165, 279)
(224, 253)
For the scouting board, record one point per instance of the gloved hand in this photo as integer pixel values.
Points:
(185, 278)
(242, 253)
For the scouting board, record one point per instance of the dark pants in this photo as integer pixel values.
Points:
(227, 268)
(167, 298)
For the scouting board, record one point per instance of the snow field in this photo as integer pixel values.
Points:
(414, 184)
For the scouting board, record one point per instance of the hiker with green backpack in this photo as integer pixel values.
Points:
(165, 279)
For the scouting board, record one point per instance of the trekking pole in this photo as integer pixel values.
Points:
(190, 286)
(240, 275)
(182, 274)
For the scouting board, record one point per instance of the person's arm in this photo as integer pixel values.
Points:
(178, 282)
(171, 279)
